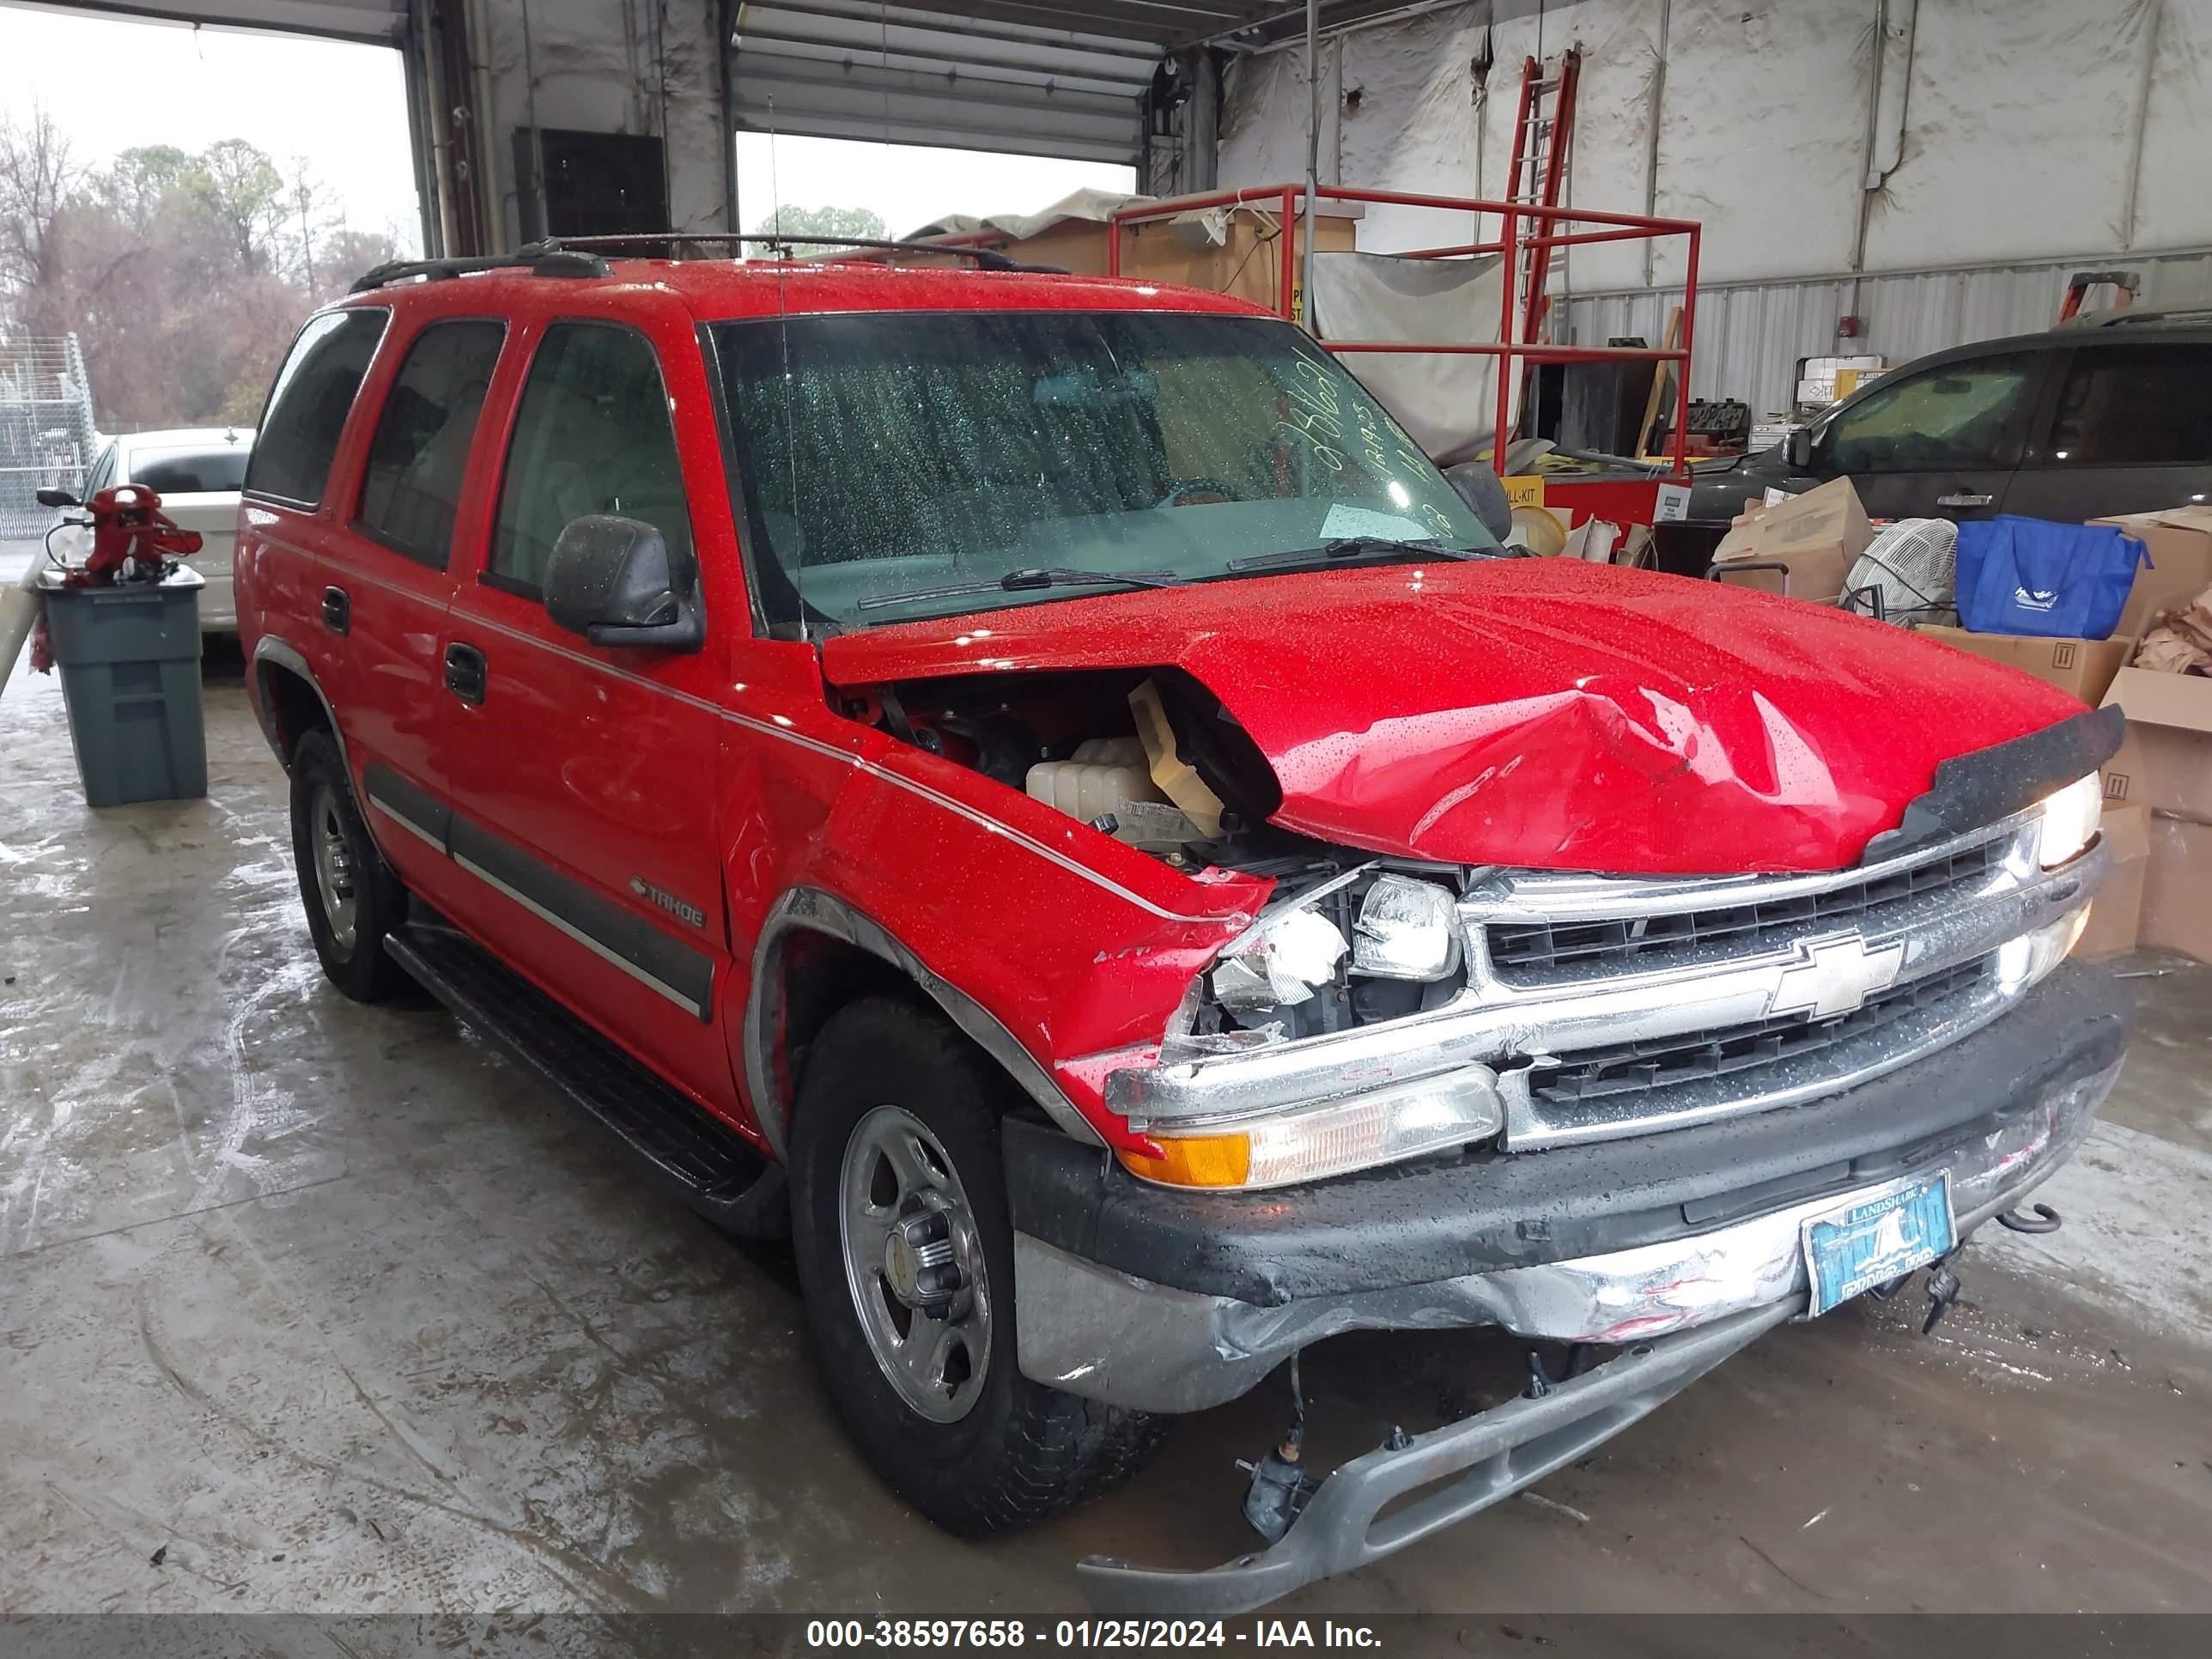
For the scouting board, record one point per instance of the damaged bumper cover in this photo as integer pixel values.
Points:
(1167, 1301)
(1699, 1270)
(1472, 1464)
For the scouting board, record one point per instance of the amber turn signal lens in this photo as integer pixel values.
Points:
(1195, 1161)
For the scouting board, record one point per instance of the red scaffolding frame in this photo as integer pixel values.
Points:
(1514, 346)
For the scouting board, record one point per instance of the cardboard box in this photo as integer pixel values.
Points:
(2082, 668)
(2177, 896)
(1248, 261)
(1817, 534)
(2180, 542)
(2116, 915)
(2165, 763)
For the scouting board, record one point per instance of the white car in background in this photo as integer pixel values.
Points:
(198, 472)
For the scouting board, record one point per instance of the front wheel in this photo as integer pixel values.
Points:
(905, 1252)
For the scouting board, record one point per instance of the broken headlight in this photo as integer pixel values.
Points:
(1290, 953)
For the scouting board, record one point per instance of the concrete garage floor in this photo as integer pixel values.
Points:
(347, 1314)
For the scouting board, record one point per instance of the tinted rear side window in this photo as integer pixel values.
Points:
(190, 472)
(307, 405)
(420, 455)
(2136, 405)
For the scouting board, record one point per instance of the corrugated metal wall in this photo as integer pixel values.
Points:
(1750, 338)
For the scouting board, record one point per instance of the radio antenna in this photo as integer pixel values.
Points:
(786, 391)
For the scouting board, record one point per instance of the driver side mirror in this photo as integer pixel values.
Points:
(1799, 446)
(613, 580)
(50, 498)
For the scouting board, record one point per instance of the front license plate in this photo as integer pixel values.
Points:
(1872, 1240)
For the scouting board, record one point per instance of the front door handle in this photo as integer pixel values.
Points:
(337, 611)
(465, 672)
(1964, 500)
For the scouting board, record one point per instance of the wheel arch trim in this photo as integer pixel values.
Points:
(810, 909)
(274, 652)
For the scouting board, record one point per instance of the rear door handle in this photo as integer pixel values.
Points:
(465, 672)
(337, 611)
(1964, 500)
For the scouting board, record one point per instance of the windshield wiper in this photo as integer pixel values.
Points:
(1023, 580)
(1346, 547)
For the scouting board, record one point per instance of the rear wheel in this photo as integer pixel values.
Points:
(905, 1252)
(351, 897)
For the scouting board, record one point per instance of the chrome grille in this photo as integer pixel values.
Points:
(1543, 951)
(1656, 1067)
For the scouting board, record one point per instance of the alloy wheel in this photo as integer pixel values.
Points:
(914, 1262)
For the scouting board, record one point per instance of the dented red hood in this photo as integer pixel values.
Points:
(1537, 712)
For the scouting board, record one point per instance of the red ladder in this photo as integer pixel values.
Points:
(1542, 131)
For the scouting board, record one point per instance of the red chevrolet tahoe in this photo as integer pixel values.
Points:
(1035, 786)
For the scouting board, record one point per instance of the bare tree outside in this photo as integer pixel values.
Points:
(37, 177)
(183, 275)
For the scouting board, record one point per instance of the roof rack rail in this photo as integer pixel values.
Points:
(539, 258)
(986, 259)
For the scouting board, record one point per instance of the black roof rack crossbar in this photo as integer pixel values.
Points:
(539, 258)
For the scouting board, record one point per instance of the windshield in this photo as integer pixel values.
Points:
(194, 471)
(885, 458)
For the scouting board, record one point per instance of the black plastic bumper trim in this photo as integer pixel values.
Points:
(1439, 1219)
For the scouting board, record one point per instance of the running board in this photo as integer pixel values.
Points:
(710, 1166)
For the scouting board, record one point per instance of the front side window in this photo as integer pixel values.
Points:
(1969, 415)
(411, 488)
(308, 404)
(2136, 405)
(592, 435)
(204, 470)
(886, 457)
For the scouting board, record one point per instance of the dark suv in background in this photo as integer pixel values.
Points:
(2110, 413)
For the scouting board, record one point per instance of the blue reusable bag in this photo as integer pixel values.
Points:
(2056, 580)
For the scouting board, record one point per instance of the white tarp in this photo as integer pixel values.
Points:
(1091, 206)
(1447, 400)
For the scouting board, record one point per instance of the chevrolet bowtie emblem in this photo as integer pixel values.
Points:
(1834, 975)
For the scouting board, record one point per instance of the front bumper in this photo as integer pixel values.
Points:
(1492, 1455)
(1163, 1300)
(1673, 1310)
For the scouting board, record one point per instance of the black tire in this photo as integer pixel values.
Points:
(1023, 1451)
(354, 960)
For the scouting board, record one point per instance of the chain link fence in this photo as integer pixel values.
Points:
(47, 436)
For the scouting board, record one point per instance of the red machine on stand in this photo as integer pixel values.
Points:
(132, 541)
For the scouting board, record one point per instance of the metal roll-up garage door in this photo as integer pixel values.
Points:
(1033, 79)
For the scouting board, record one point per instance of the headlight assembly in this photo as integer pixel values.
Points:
(1406, 930)
(2070, 817)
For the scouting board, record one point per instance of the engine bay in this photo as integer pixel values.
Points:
(1153, 759)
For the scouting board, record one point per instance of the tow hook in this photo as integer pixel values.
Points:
(1280, 1487)
(2044, 1221)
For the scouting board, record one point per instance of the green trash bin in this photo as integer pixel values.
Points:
(129, 658)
